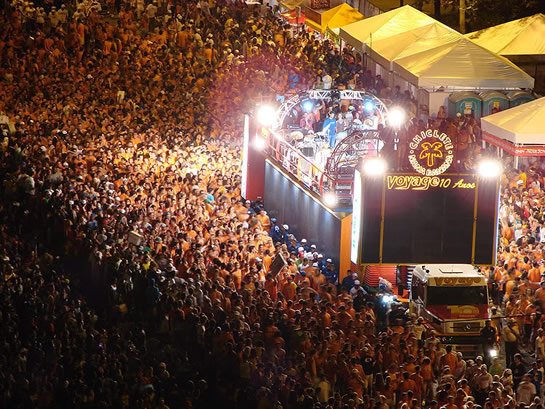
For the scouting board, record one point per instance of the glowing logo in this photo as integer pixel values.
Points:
(431, 153)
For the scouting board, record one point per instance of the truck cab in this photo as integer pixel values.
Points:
(453, 299)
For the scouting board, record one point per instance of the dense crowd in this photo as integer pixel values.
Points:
(124, 169)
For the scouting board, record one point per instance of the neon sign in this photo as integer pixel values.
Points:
(402, 182)
(431, 153)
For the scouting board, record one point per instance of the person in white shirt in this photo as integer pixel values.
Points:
(357, 287)
(328, 81)
(526, 391)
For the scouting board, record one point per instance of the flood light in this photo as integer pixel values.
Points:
(396, 117)
(374, 166)
(330, 199)
(490, 168)
(266, 115)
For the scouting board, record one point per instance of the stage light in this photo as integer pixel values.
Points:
(369, 105)
(396, 117)
(308, 106)
(260, 143)
(266, 115)
(387, 299)
(493, 353)
(490, 168)
(330, 199)
(374, 166)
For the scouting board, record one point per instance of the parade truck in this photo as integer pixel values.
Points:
(453, 300)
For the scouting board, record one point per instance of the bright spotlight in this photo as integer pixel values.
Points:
(330, 199)
(369, 105)
(259, 143)
(396, 117)
(266, 115)
(493, 353)
(308, 106)
(489, 168)
(374, 166)
(387, 299)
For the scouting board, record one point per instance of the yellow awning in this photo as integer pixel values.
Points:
(293, 4)
(313, 25)
(336, 17)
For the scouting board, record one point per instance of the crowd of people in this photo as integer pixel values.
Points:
(124, 170)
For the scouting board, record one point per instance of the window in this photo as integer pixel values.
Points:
(457, 296)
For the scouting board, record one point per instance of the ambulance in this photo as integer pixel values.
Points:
(453, 300)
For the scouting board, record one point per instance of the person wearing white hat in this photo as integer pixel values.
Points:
(285, 237)
(330, 272)
(357, 287)
(304, 245)
(322, 263)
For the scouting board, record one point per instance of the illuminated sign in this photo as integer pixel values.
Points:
(431, 153)
(404, 182)
(246, 143)
(356, 219)
(458, 281)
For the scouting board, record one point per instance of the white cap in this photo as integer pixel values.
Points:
(329, 260)
(320, 256)
(304, 241)
(300, 249)
(315, 265)
(357, 282)
(285, 226)
(313, 246)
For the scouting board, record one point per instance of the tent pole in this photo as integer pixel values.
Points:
(516, 162)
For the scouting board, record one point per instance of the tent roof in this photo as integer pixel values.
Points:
(460, 63)
(336, 17)
(293, 4)
(523, 124)
(384, 25)
(386, 50)
(430, 54)
(341, 15)
(525, 36)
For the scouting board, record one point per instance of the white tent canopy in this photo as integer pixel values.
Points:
(522, 125)
(428, 54)
(372, 29)
(525, 36)
(386, 50)
(460, 63)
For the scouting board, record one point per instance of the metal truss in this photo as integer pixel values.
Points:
(325, 94)
(349, 151)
